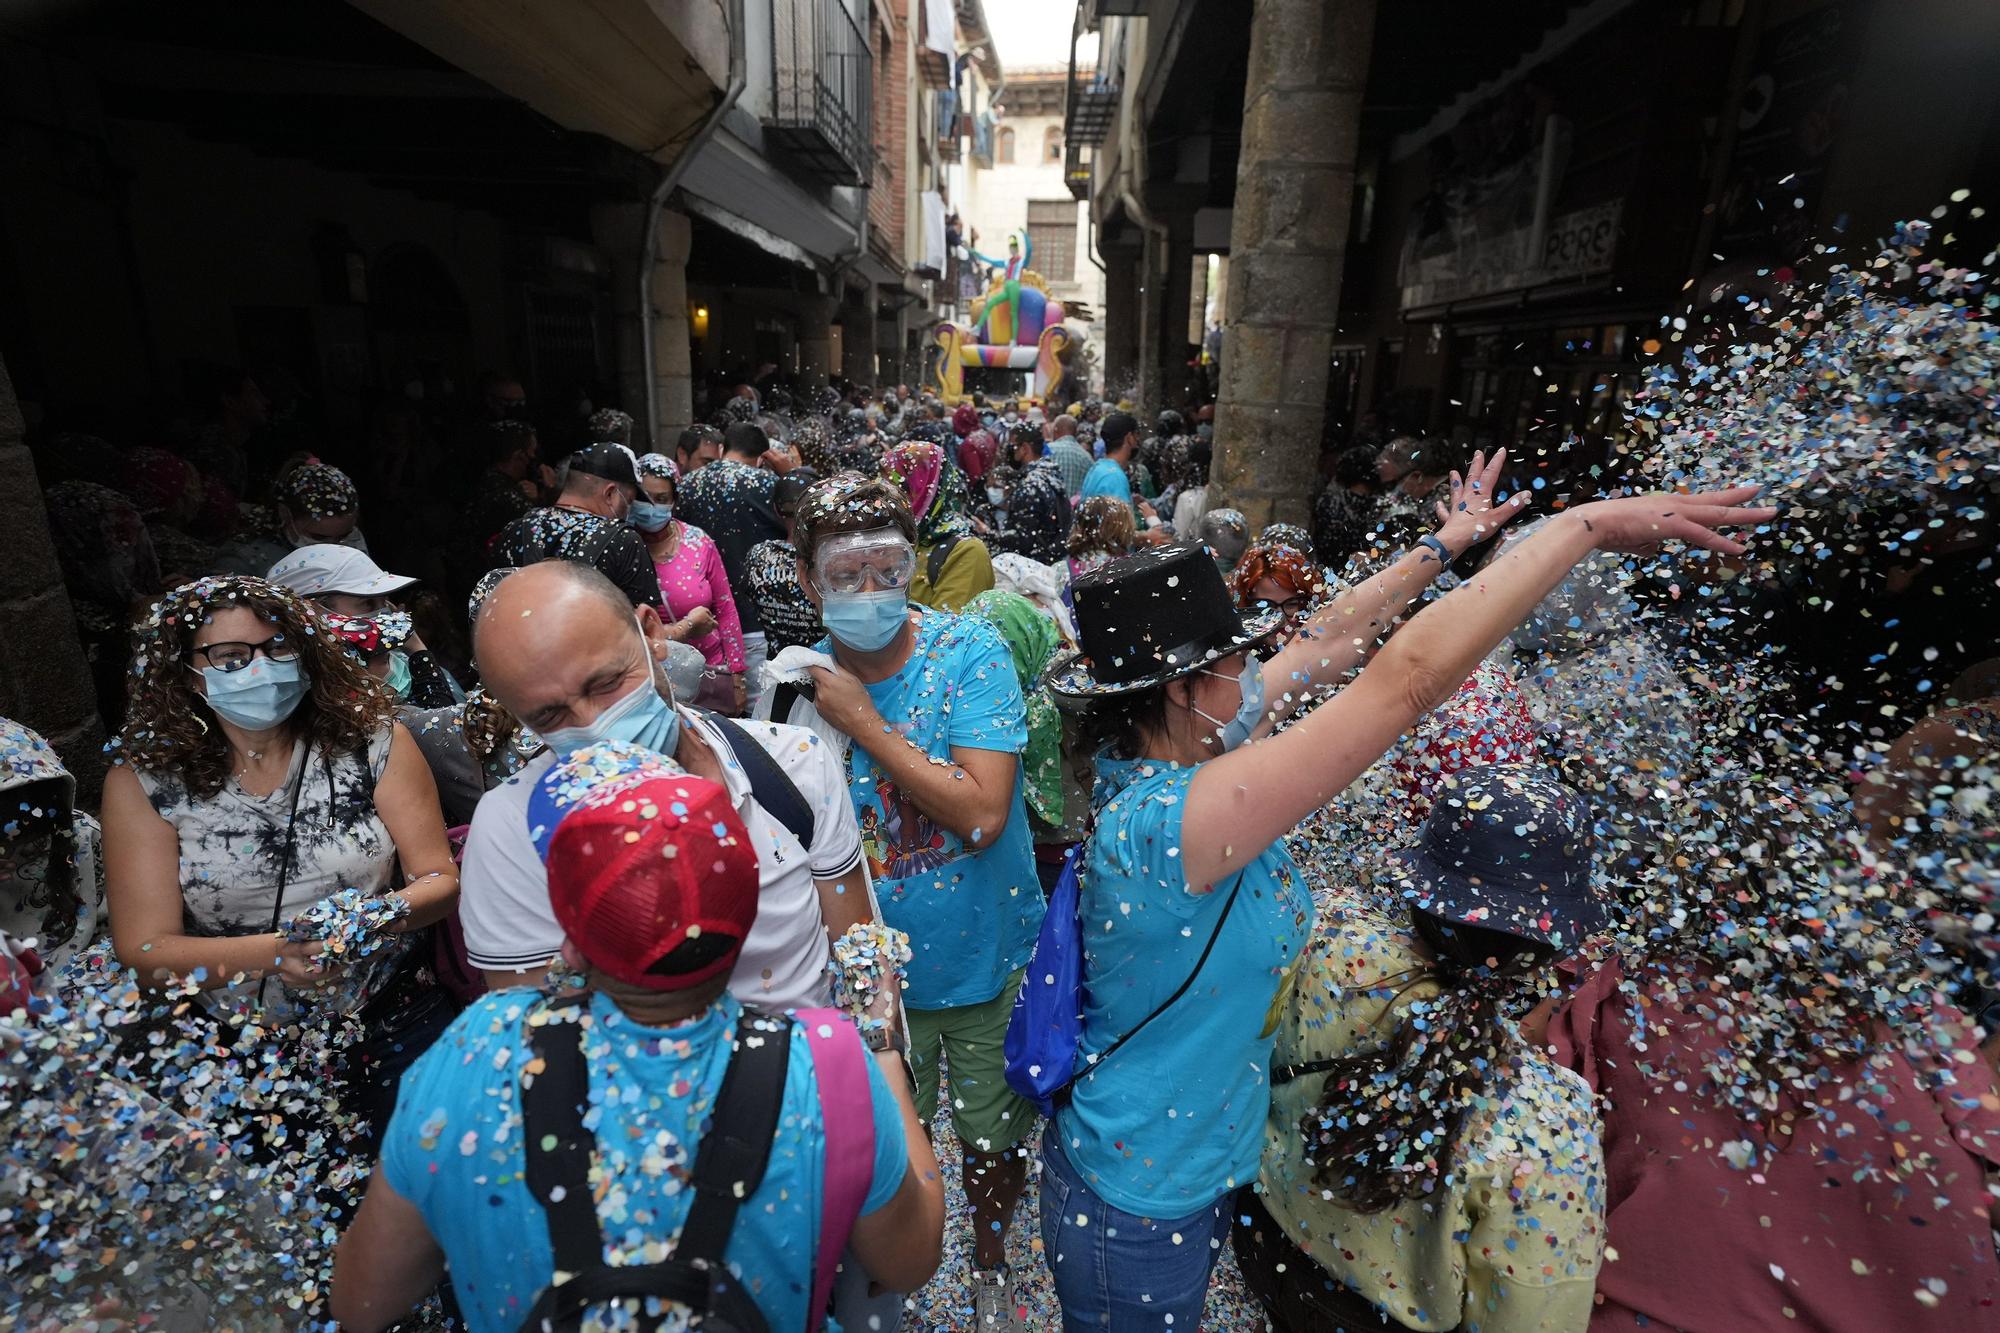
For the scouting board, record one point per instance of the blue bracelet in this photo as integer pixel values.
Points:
(1443, 555)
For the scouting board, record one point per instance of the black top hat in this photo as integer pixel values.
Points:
(613, 462)
(1507, 848)
(1146, 618)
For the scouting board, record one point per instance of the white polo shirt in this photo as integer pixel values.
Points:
(504, 888)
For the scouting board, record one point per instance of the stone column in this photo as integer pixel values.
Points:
(1287, 242)
(673, 352)
(857, 340)
(816, 340)
(1119, 320)
(44, 680)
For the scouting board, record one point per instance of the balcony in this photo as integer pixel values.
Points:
(821, 90)
(1076, 171)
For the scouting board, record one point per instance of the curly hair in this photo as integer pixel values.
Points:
(1103, 523)
(1388, 1120)
(168, 726)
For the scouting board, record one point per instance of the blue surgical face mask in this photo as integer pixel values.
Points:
(1250, 685)
(995, 496)
(647, 516)
(398, 679)
(258, 697)
(643, 718)
(866, 621)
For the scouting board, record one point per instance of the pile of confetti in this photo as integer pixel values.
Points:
(868, 961)
(349, 925)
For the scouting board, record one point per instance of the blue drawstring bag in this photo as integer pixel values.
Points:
(1045, 1031)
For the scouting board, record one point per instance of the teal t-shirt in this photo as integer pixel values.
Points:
(1106, 478)
(1174, 1119)
(453, 1148)
(972, 916)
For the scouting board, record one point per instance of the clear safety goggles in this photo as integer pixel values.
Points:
(846, 561)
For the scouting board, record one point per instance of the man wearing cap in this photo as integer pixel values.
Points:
(587, 524)
(315, 502)
(348, 584)
(562, 652)
(934, 708)
(654, 879)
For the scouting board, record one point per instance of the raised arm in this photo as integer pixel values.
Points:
(1243, 802)
(1343, 634)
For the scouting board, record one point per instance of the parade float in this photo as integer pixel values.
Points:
(1016, 325)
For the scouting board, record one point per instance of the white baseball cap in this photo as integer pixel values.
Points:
(326, 567)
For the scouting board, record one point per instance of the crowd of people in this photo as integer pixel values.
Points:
(642, 907)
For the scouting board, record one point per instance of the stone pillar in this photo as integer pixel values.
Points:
(1170, 330)
(44, 681)
(857, 341)
(816, 340)
(1119, 320)
(615, 228)
(673, 351)
(1287, 242)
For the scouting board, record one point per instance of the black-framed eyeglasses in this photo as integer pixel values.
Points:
(1293, 606)
(232, 656)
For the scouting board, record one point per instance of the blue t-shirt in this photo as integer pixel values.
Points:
(1175, 1119)
(453, 1149)
(1106, 478)
(972, 916)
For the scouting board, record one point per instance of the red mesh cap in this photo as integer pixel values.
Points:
(657, 886)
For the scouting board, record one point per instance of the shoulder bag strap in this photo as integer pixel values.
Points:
(847, 1110)
(291, 845)
(769, 785)
(934, 563)
(1063, 1095)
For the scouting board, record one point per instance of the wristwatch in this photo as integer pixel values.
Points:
(888, 1037)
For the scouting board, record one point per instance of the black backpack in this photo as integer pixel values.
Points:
(728, 1167)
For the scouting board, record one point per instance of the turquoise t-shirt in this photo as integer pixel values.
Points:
(1106, 478)
(453, 1149)
(972, 917)
(1174, 1119)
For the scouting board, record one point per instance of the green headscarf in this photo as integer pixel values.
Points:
(1033, 639)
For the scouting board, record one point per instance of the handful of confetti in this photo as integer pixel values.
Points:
(352, 925)
(868, 963)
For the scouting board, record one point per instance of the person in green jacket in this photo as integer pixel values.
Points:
(953, 566)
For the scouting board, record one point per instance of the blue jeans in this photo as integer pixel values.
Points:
(1119, 1272)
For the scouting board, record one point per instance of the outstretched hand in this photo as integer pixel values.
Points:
(1469, 517)
(1640, 524)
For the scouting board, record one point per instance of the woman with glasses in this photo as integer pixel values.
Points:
(1191, 911)
(261, 772)
(1278, 578)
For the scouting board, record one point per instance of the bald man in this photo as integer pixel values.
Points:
(564, 651)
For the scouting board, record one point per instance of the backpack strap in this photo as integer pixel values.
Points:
(847, 1110)
(769, 785)
(729, 1166)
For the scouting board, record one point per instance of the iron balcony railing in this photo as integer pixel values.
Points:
(821, 89)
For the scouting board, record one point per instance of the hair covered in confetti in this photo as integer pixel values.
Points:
(317, 490)
(849, 502)
(168, 725)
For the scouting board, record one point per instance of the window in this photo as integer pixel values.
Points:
(1052, 231)
(1052, 144)
(1006, 148)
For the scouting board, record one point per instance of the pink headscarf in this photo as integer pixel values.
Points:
(976, 453)
(916, 465)
(965, 420)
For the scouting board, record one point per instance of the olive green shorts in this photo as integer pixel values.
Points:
(988, 1115)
